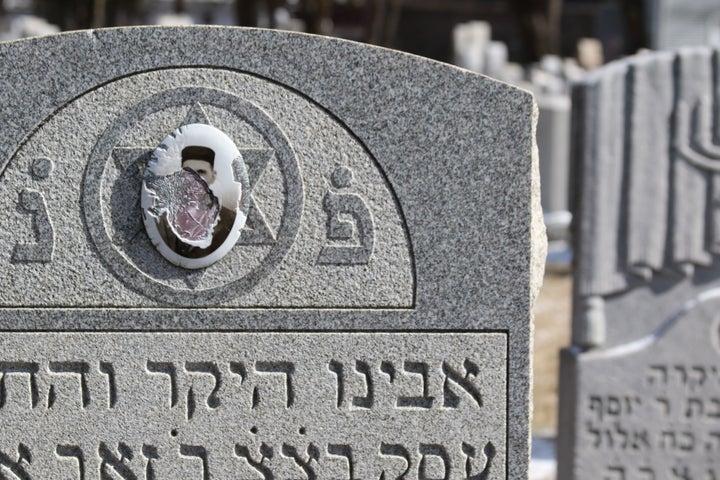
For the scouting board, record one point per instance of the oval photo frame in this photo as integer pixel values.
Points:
(194, 196)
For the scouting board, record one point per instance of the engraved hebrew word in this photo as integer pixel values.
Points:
(349, 224)
(398, 460)
(614, 406)
(55, 371)
(619, 437)
(260, 373)
(110, 461)
(703, 408)
(82, 370)
(312, 461)
(454, 384)
(693, 376)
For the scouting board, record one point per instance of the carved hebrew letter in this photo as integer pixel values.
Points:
(150, 452)
(199, 452)
(80, 369)
(423, 401)
(108, 370)
(667, 439)
(396, 451)
(388, 369)
(469, 451)
(596, 405)
(28, 368)
(337, 368)
(715, 413)
(595, 432)
(622, 433)
(73, 451)
(16, 467)
(715, 437)
(313, 454)
(700, 374)
(435, 451)
(688, 441)
(109, 459)
(657, 375)
(452, 400)
(367, 401)
(169, 370)
(207, 368)
(42, 250)
(640, 440)
(681, 473)
(338, 229)
(614, 406)
(346, 452)
(649, 472)
(695, 408)
(616, 473)
(664, 405)
(284, 368)
(266, 453)
(682, 371)
(238, 368)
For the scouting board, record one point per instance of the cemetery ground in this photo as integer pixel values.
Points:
(552, 332)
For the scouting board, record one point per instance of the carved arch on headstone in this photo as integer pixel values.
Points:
(158, 291)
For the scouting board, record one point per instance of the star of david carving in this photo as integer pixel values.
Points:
(132, 161)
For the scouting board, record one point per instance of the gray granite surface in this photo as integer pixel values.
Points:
(640, 386)
(392, 200)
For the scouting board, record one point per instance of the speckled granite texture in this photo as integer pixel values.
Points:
(392, 200)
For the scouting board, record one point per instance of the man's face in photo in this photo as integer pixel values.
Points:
(202, 168)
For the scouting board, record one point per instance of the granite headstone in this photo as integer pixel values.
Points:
(640, 387)
(370, 317)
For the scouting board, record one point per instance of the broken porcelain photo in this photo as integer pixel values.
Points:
(193, 196)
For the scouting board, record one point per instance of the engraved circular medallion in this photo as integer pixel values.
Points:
(237, 259)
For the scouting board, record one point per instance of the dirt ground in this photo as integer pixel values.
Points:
(552, 332)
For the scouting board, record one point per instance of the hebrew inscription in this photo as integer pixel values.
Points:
(250, 407)
(663, 421)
